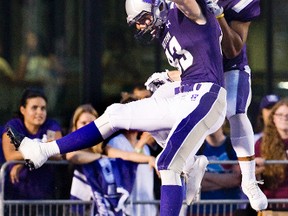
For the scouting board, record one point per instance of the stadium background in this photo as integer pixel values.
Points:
(101, 58)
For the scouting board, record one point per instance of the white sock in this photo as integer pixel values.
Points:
(247, 170)
(49, 149)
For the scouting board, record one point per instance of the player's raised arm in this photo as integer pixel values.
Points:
(191, 9)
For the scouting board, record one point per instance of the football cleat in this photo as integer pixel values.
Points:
(30, 149)
(257, 198)
(15, 137)
(193, 178)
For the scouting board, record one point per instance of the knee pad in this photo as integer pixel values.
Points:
(242, 135)
(169, 177)
(119, 116)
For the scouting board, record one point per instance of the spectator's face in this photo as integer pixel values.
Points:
(34, 112)
(140, 94)
(280, 118)
(84, 119)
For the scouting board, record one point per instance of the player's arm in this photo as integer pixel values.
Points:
(191, 9)
(234, 36)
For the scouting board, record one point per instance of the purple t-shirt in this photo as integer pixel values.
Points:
(39, 183)
(48, 126)
(192, 48)
(243, 11)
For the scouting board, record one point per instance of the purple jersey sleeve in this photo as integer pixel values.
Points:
(240, 10)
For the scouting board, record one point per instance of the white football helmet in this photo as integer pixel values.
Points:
(138, 9)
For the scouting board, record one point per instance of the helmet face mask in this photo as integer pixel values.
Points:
(145, 30)
(153, 10)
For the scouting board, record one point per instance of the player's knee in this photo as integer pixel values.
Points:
(119, 116)
(232, 111)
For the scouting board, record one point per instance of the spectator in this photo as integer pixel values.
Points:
(266, 104)
(32, 121)
(140, 91)
(90, 159)
(220, 181)
(273, 145)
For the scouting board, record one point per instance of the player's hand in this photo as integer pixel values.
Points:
(214, 7)
(156, 80)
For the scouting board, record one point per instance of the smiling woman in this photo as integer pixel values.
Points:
(33, 122)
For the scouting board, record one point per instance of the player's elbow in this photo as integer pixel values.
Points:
(232, 53)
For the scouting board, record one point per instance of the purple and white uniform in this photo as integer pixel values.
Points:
(198, 106)
(237, 72)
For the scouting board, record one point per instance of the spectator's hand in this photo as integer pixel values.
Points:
(152, 162)
(260, 165)
(156, 80)
(147, 138)
(214, 7)
(14, 173)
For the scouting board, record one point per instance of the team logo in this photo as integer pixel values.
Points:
(168, 23)
(194, 97)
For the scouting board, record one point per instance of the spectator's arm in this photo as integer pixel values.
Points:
(145, 138)
(213, 181)
(130, 156)
(82, 156)
(9, 150)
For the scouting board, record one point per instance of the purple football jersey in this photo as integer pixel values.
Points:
(192, 48)
(243, 11)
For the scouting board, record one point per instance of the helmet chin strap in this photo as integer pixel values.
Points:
(145, 36)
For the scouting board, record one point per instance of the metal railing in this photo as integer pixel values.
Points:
(67, 207)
